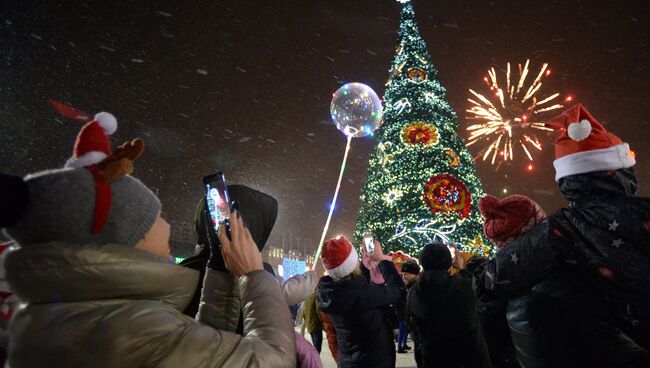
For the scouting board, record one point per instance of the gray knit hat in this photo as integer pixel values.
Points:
(62, 205)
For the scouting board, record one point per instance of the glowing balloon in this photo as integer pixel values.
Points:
(356, 110)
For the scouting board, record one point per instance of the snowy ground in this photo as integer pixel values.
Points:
(403, 360)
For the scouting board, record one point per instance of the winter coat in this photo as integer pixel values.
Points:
(311, 315)
(560, 323)
(259, 212)
(494, 326)
(298, 287)
(330, 333)
(308, 356)
(356, 307)
(117, 306)
(443, 321)
(602, 240)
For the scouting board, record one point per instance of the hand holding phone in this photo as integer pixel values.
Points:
(240, 251)
(369, 242)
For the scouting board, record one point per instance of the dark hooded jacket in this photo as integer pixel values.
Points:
(442, 318)
(259, 212)
(600, 243)
(357, 309)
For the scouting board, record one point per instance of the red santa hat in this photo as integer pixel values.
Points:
(339, 257)
(509, 217)
(92, 145)
(584, 145)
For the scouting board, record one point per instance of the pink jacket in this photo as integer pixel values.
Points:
(308, 357)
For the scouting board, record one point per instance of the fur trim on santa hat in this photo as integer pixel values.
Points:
(89, 158)
(605, 159)
(347, 267)
(339, 257)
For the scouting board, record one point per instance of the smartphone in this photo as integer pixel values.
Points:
(217, 200)
(369, 242)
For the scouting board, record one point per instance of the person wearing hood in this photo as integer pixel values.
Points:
(356, 306)
(441, 311)
(259, 211)
(602, 239)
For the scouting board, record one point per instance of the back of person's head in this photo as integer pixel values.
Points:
(435, 257)
(411, 267)
(259, 211)
(506, 219)
(340, 258)
(64, 206)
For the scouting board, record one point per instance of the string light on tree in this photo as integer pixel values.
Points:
(421, 185)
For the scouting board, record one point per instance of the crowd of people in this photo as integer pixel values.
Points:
(90, 282)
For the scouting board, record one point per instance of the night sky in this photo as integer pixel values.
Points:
(245, 86)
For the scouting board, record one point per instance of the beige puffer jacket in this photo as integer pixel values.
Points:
(115, 306)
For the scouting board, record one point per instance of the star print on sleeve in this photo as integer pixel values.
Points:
(617, 243)
(514, 258)
(613, 225)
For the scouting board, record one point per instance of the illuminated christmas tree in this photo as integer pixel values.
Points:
(422, 184)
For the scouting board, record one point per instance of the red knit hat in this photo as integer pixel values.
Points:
(339, 257)
(508, 218)
(584, 145)
(92, 145)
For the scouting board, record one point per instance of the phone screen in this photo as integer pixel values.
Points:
(217, 199)
(369, 243)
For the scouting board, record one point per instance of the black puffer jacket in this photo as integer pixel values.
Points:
(442, 319)
(561, 323)
(602, 239)
(357, 309)
(259, 212)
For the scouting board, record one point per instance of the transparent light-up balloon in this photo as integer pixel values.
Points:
(356, 110)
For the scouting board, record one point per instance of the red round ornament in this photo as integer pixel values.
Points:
(444, 193)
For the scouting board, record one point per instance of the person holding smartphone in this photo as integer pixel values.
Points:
(107, 296)
(356, 306)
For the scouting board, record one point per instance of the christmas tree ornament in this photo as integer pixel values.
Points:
(416, 74)
(401, 105)
(420, 133)
(453, 158)
(444, 193)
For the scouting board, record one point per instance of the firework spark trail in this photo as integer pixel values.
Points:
(504, 119)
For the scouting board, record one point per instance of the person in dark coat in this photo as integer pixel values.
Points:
(410, 272)
(259, 211)
(602, 241)
(355, 306)
(442, 315)
(492, 317)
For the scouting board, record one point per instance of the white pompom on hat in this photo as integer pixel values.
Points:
(92, 145)
(584, 145)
